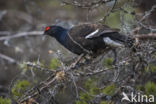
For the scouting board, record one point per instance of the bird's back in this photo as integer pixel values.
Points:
(77, 38)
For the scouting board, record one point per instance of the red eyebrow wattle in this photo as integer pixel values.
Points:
(47, 28)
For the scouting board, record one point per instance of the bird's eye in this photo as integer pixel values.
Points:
(47, 28)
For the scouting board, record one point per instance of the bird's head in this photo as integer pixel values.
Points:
(53, 30)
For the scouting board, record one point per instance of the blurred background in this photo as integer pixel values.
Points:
(24, 16)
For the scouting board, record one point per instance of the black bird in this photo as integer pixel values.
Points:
(88, 38)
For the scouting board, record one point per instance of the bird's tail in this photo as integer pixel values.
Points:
(119, 39)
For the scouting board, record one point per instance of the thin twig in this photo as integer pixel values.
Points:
(11, 60)
(38, 67)
(108, 13)
(76, 89)
(147, 14)
(21, 34)
(86, 5)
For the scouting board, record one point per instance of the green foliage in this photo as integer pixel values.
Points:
(55, 63)
(110, 90)
(81, 102)
(68, 7)
(53, 3)
(85, 97)
(140, 87)
(153, 67)
(94, 90)
(147, 69)
(90, 83)
(150, 88)
(91, 86)
(121, 3)
(5, 101)
(113, 20)
(106, 102)
(108, 62)
(129, 18)
(20, 87)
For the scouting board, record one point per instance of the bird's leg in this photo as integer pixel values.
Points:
(77, 61)
(115, 56)
(88, 58)
(103, 53)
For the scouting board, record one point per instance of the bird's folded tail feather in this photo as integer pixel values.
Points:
(122, 39)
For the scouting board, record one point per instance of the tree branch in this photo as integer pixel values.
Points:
(21, 34)
(144, 36)
(86, 5)
(11, 60)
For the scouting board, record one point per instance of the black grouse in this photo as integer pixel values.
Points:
(89, 38)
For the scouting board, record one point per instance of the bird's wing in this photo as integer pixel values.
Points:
(103, 30)
(78, 33)
(82, 30)
(89, 30)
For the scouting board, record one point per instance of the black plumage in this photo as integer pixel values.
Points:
(89, 38)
